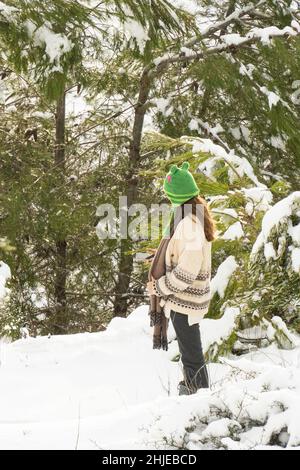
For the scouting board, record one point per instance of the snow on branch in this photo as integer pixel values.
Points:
(239, 166)
(55, 44)
(263, 34)
(220, 25)
(224, 272)
(7, 12)
(280, 213)
(231, 41)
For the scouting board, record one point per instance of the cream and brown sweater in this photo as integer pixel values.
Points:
(186, 286)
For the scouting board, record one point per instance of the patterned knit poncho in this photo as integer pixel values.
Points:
(185, 288)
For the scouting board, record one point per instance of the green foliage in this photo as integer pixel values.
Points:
(41, 204)
(228, 91)
(160, 19)
(216, 351)
(5, 246)
(280, 189)
(32, 28)
(275, 283)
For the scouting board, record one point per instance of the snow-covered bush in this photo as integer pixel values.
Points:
(252, 413)
(260, 275)
(252, 407)
(267, 287)
(275, 264)
(252, 403)
(256, 255)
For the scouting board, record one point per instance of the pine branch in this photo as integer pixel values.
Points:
(162, 64)
(220, 25)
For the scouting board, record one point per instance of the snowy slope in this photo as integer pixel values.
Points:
(110, 390)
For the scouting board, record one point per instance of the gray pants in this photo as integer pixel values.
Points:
(190, 347)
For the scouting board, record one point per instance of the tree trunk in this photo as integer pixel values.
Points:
(126, 260)
(61, 320)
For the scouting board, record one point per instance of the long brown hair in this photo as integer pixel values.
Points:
(209, 224)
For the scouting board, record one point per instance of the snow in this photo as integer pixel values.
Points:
(187, 51)
(42, 115)
(38, 297)
(110, 390)
(234, 232)
(4, 276)
(273, 98)
(280, 325)
(214, 131)
(281, 211)
(247, 70)
(188, 5)
(3, 92)
(215, 332)
(103, 374)
(238, 166)
(221, 428)
(7, 11)
(236, 132)
(264, 34)
(163, 105)
(232, 39)
(227, 214)
(258, 199)
(162, 58)
(24, 332)
(246, 133)
(272, 31)
(296, 259)
(56, 44)
(295, 96)
(295, 24)
(77, 105)
(229, 211)
(224, 272)
(294, 5)
(294, 232)
(269, 251)
(134, 29)
(193, 125)
(277, 142)
(296, 84)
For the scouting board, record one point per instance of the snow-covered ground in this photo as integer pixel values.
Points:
(110, 390)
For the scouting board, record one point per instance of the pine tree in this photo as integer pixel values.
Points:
(63, 279)
(259, 274)
(220, 80)
(205, 73)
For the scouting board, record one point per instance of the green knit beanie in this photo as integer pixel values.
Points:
(179, 184)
